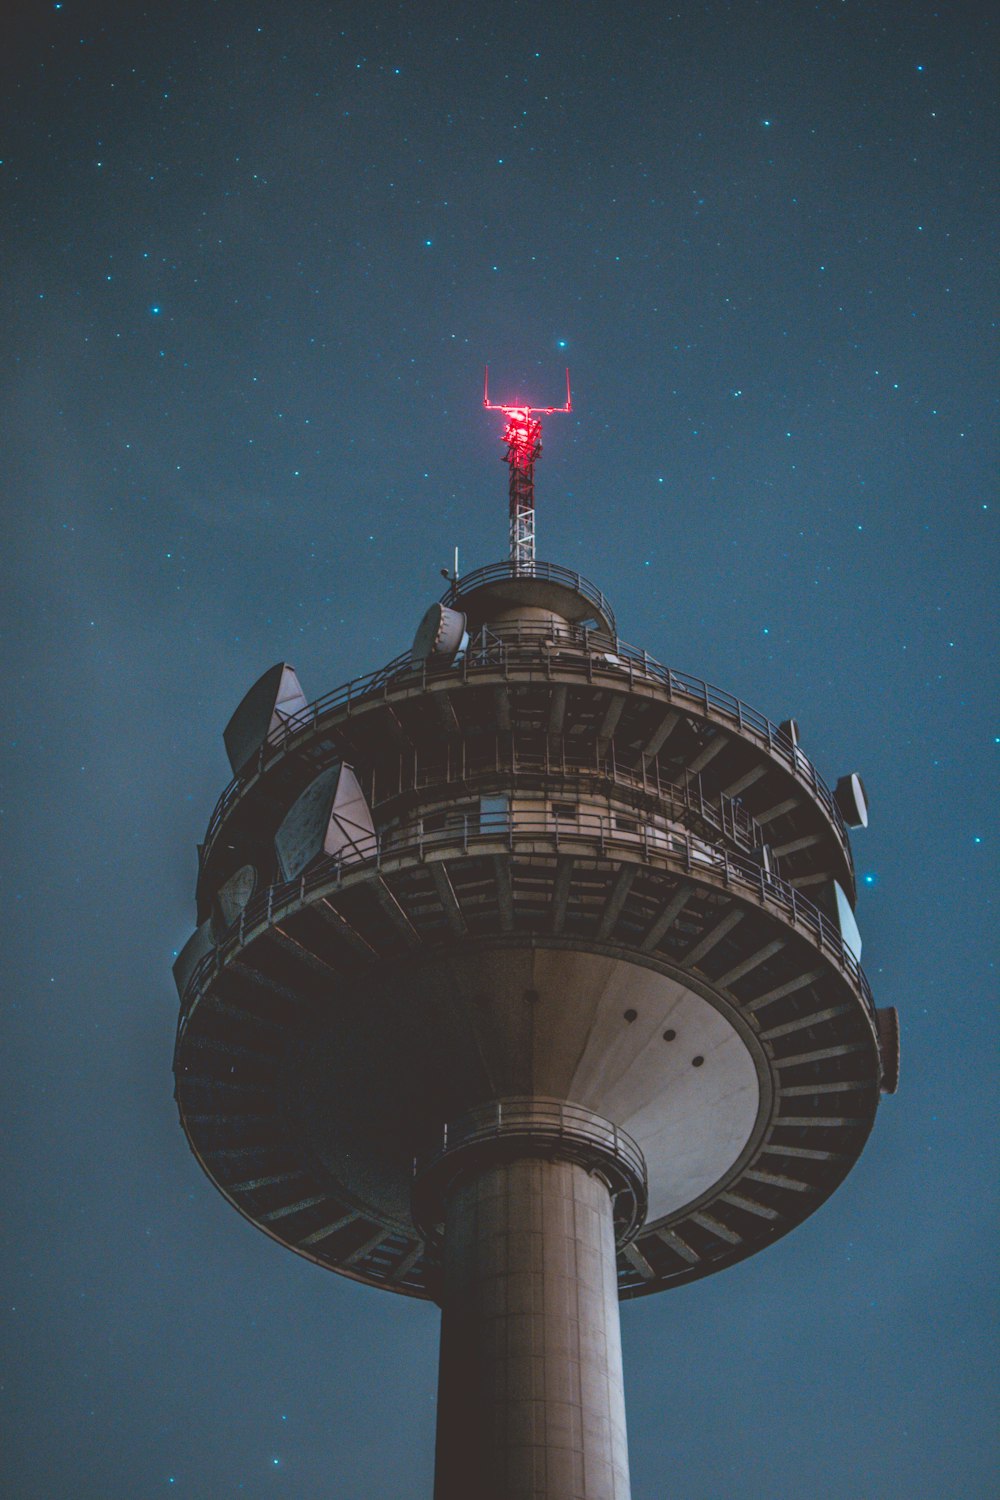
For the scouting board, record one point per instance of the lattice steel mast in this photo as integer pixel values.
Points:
(523, 437)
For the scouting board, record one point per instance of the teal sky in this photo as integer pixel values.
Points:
(255, 258)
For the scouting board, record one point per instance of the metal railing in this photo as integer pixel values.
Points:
(516, 1127)
(470, 765)
(574, 650)
(515, 831)
(545, 572)
(715, 819)
(548, 1118)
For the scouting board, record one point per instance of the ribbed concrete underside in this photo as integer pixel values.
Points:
(530, 1399)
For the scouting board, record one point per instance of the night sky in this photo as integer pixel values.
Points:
(255, 257)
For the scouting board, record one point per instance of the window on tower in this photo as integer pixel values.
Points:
(493, 813)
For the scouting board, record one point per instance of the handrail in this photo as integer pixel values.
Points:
(721, 815)
(523, 1114)
(575, 650)
(546, 572)
(671, 847)
(519, 1126)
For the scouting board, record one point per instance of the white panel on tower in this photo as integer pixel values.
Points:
(275, 700)
(846, 921)
(441, 636)
(330, 817)
(232, 897)
(200, 943)
(852, 799)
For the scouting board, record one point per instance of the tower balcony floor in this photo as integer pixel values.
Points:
(382, 967)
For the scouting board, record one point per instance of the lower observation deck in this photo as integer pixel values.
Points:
(363, 1006)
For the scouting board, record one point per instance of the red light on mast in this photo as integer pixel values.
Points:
(523, 438)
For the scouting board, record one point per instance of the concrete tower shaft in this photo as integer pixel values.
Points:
(530, 1392)
(531, 1197)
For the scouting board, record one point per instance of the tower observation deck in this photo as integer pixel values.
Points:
(526, 979)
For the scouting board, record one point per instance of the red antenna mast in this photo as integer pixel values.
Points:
(523, 437)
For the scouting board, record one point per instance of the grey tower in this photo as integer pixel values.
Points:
(526, 979)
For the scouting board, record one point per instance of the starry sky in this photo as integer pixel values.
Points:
(255, 257)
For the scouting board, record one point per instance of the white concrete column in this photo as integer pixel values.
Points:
(530, 1397)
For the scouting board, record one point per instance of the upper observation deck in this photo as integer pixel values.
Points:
(544, 681)
(506, 588)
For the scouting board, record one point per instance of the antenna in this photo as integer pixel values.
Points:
(523, 437)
